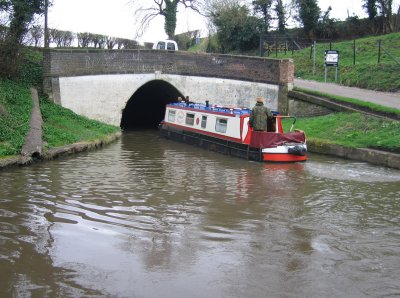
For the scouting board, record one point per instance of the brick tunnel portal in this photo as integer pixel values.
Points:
(146, 107)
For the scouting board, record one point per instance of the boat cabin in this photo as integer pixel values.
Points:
(228, 127)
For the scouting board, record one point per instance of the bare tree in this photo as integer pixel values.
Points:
(55, 36)
(98, 40)
(83, 39)
(111, 42)
(120, 43)
(37, 34)
(61, 38)
(67, 38)
(385, 7)
(397, 20)
(130, 44)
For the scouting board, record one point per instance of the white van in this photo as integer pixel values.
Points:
(166, 44)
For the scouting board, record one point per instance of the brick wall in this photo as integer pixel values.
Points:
(64, 63)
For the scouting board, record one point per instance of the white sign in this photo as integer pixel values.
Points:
(332, 57)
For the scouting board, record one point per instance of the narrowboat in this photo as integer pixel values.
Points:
(226, 130)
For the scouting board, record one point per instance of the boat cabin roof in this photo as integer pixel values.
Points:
(214, 108)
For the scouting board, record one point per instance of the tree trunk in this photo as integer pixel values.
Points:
(170, 11)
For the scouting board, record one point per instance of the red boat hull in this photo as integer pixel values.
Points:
(283, 157)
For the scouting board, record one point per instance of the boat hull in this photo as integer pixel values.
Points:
(228, 147)
(283, 157)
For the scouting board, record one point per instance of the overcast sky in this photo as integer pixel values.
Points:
(116, 18)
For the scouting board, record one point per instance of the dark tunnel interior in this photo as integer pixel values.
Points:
(146, 107)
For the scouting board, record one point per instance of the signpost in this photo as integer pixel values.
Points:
(331, 59)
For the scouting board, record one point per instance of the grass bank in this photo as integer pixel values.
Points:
(61, 126)
(15, 112)
(365, 73)
(352, 130)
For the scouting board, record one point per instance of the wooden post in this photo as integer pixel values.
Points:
(261, 45)
(46, 28)
(315, 49)
(379, 51)
(285, 46)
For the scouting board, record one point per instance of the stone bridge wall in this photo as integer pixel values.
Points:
(67, 63)
(91, 82)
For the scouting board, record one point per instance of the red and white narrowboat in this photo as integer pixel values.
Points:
(227, 130)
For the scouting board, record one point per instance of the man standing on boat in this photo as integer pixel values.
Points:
(259, 115)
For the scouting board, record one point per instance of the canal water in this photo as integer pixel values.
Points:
(148, 217)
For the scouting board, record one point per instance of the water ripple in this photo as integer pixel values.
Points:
(148, 217)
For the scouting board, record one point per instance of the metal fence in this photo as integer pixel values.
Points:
(274, 46)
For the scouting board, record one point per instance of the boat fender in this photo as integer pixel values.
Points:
(297, 150)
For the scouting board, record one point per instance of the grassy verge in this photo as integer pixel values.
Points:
(366, 73)
(62, 126)
(15, 112)
(353, 130)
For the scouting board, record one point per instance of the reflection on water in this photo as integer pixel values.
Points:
(147, 217)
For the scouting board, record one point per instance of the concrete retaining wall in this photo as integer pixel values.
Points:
(306, 109)
(375, 157)
(103, 97)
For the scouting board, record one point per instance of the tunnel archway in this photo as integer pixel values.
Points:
(146, 107)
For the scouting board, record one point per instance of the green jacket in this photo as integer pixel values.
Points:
(259, 116)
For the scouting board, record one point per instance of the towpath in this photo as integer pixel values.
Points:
(388, 99)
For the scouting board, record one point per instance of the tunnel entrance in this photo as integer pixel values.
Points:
(146, 107)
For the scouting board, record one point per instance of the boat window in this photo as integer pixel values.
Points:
(221, 125)
(203, 121)
(189, 119)
(171, 115)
